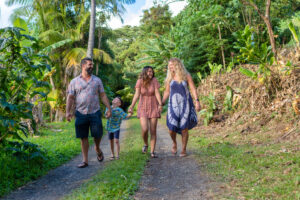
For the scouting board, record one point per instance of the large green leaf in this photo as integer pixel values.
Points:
(248, 73)
(293, 30)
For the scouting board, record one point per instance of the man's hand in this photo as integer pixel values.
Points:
(69, 116)
(108, 113)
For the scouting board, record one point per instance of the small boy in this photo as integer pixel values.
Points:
(113, 125)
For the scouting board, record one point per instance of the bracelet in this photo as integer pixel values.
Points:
(196, 99)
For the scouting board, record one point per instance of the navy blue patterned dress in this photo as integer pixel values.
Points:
(181, 111)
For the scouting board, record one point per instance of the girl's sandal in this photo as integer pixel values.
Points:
(153, 155)
(117, 157)
(111, 158)
(145, 149)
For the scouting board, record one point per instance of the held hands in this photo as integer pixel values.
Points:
(129, 114)
(130, 110)
(198, 107)
(160, 108)
(108, 113)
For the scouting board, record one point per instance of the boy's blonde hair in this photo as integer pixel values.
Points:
(180, 71)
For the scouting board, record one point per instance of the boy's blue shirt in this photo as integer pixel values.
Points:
(114, 122)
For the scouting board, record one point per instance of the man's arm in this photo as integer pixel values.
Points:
(105, 101)
(70, 104)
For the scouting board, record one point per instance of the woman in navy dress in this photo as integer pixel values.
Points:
(182, 114)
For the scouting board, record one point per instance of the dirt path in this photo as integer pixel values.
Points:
(62, 180)
(172, 177)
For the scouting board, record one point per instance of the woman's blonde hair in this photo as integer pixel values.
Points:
(180, 71)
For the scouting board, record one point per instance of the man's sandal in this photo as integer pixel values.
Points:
(82, 165)
(100, 156)
(145, 149)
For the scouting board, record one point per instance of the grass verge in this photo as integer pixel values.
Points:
(57, 140)
(120, 178)
(264, 171)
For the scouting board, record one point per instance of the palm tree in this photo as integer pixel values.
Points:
(113, 6)
(92, 30)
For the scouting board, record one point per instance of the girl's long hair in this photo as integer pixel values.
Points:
(180, 71)
(145, 79)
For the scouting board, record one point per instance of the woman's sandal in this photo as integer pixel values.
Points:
(183, 155)
(82, 165)
(145, 149)
(174, 151)
(153, 155)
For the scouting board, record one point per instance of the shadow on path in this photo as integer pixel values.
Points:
(172, 177)
(62, 180)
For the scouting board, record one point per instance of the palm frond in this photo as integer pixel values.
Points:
(50, 37)
(73, 57)
(21, 2)
(24, 11)
(102, 56)
(56, 45)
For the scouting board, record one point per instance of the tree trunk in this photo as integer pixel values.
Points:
(59, 115)
(271, 35)
(266, 19)
(92, 30)
(222, 48)
(99, 46)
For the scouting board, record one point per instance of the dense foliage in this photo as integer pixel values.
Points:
(22, 75)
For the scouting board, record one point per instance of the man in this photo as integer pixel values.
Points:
(84, 92)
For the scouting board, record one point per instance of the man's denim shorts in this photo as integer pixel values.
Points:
(84, 123)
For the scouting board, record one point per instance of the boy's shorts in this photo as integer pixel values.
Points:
(84, 123)
(114, 135)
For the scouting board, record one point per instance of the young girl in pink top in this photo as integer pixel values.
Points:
(149, 107)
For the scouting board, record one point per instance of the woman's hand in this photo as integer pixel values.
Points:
(130, 110)
(160, 108)
(198, 107)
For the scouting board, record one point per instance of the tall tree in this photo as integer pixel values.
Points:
(266, 19)
(92, 30)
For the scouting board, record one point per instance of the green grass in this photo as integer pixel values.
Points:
(269, 171)
(120, 178)
(57, 140)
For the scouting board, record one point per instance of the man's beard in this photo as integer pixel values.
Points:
(89, 71)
